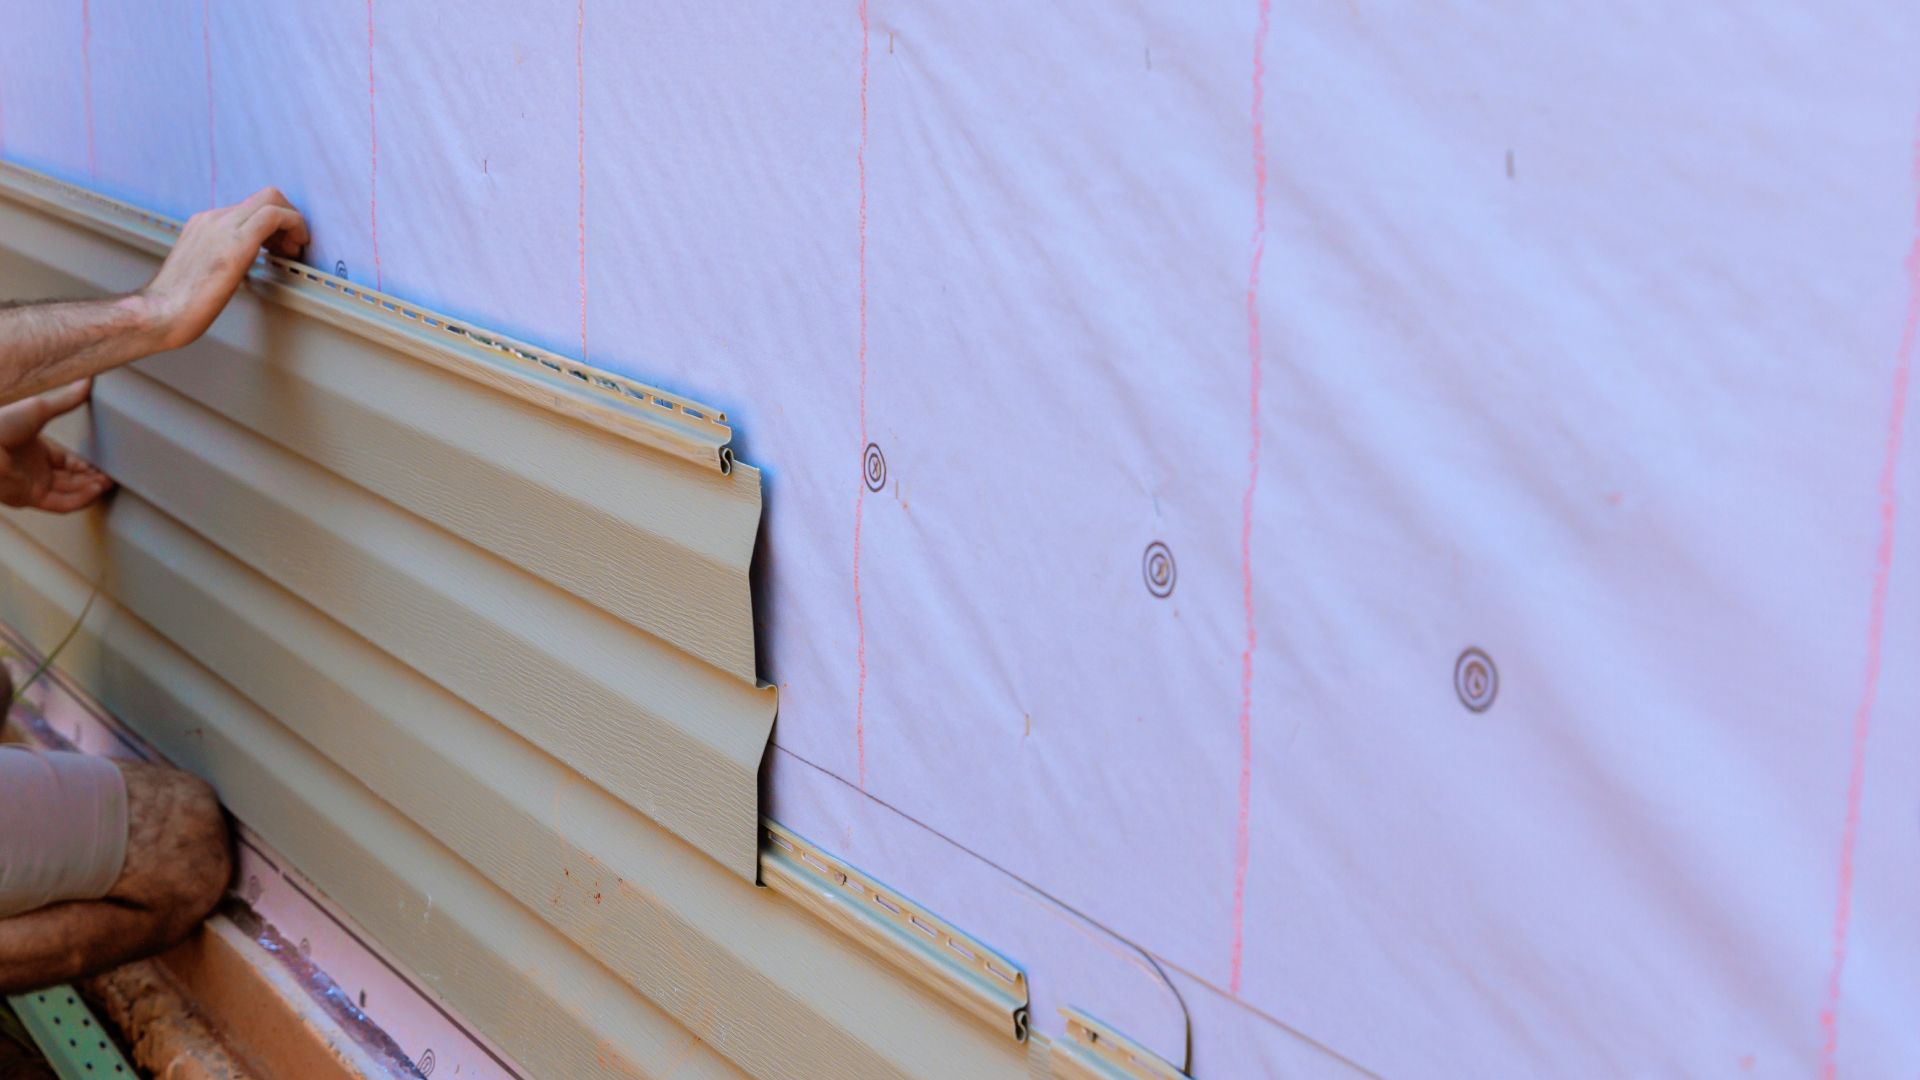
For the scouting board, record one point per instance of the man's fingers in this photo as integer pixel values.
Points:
(289, 243)
(65, 399)
(282, 225)
(57, 403)
(66, 502)
(78, 479)
(23, 419)
(73, 491)
(78, 474)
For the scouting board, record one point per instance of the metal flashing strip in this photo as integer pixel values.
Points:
(922, 944)
(68, 1034)
(1093, 1051)
(648, 415)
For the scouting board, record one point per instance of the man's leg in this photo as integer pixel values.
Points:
(177, 863)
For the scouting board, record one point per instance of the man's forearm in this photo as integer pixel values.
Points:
(44, 345)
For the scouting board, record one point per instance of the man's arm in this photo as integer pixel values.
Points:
(43, 345)
(52, 344)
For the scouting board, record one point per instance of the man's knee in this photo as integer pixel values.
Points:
(179, 853)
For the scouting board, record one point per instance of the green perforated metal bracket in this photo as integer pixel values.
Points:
(69, 1035)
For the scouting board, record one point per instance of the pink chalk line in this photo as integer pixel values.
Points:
(1876, 625)
(373, 145)
(206, 52)
(860, 490)
(86, 78)
(580, 88)
(1240, 837)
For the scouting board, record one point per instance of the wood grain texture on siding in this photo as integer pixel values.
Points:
(704, 946)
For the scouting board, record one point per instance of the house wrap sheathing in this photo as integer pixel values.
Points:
(1327, 539)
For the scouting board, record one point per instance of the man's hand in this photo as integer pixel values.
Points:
(33, 471)
(207, 263)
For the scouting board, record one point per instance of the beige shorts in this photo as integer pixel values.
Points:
(63, 827)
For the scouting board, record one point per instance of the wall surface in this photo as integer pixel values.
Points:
(1400, 515)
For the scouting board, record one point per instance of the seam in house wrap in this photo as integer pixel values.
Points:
(1240, 837)
(1876, 627)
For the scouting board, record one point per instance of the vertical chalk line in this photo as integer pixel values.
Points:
(580, 149)
(206, 53)
(1876, 625)
(860, 488)
(86, 79)
(373, 145)
(1240, 836)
